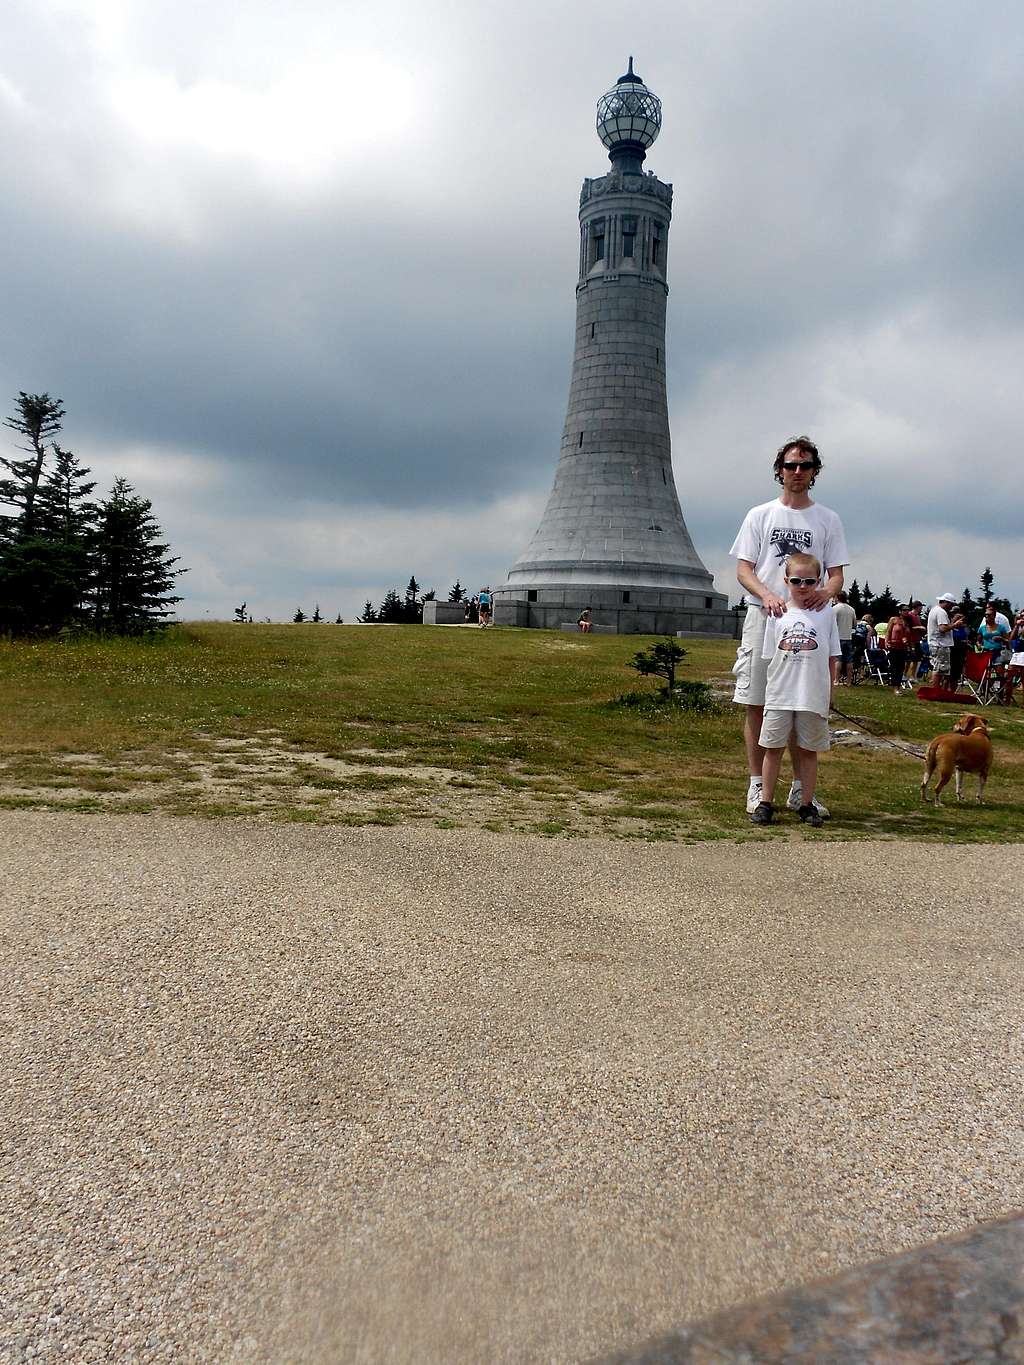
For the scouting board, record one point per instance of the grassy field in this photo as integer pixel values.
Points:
(461, 728)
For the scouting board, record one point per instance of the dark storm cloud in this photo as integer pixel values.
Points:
(389, 328)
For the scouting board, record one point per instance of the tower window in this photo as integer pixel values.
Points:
(593, 328)
(597, 242)
(581, 440)
(625, 597)
(628, 236)
(664, 476)
(531, 594)
(656, 244)
(707, 604)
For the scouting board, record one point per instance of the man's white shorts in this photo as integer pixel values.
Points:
(811, 730)
(750, 669)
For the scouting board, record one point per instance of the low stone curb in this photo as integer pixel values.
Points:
(959, 1301)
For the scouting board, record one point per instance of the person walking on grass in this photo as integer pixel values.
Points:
(803, 653)
(790, 524)
(846, 619)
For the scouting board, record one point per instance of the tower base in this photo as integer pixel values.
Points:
(626, 611)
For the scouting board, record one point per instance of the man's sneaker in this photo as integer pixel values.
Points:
(762, 813)
(809, 816)
(753, 795)
(795, 800)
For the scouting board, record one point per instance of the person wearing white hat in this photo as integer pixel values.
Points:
(940, 639)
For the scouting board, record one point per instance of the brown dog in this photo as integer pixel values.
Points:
(967, 749)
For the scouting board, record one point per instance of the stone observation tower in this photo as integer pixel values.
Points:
(612, 536)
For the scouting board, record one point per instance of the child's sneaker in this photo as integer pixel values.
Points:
(809, 816)
(762, 813)
(795, 800)
(753, 795)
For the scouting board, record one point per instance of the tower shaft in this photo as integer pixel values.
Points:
(612, 536)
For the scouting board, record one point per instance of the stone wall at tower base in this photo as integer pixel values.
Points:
(645, 611)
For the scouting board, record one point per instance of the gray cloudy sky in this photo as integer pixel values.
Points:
(306, 274)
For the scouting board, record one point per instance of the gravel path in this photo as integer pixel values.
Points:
(300, 1094)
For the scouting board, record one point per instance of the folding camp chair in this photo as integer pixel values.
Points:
(980, 677)
(877, 666)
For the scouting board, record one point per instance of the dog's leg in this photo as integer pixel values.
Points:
(929, 768)
(943, 779)
(959, 785)
(981, 789)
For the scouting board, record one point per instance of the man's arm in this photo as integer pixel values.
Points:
(833, 587)
(749, 582)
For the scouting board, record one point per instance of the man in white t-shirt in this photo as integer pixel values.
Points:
(802, 652)
(790, 524)
(940, 638)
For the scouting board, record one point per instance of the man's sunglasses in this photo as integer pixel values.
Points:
(801, 582)
(802, 465)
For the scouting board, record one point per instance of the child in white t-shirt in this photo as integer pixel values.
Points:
(803, 652)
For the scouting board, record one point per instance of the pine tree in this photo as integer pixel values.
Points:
(299, 616)
(134, 573)
(392, 609)
(368, 613)
(47, 572)
(855, 598)
(412, 608)
(38, 417)
(987, 579)
(316, 618)
(62, 506)
(338, 621)
(457, 592)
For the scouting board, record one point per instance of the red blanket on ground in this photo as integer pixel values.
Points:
(943, 694)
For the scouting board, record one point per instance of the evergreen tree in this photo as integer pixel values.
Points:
(392, 609)
(47, 572)
(62, 506)
(42, 584)
(661, 660)
(855, 598)
(881, 608)
(134, 572)
(338, 621)
(457, 592)
(430, 596)
(368, 613)
(412, 608)
(987, 579)
(299, 616)
(38, 417)
(316, 618)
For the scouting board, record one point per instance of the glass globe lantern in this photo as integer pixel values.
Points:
(628, 121)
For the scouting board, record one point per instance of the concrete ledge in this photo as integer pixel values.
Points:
(594, 629)
(955, 1302)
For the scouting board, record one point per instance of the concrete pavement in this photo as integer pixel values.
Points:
(288, 1093)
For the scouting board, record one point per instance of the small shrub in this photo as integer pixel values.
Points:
(663, 704)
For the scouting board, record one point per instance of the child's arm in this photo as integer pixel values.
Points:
(833, 670)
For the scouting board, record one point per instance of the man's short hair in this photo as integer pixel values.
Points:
(806, 447)
(810, 561)
(843, 597)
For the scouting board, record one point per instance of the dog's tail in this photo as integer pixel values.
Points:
(929, 761)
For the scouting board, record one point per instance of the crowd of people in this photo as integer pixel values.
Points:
(936, 643)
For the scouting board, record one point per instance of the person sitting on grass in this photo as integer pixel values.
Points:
(803, 652)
